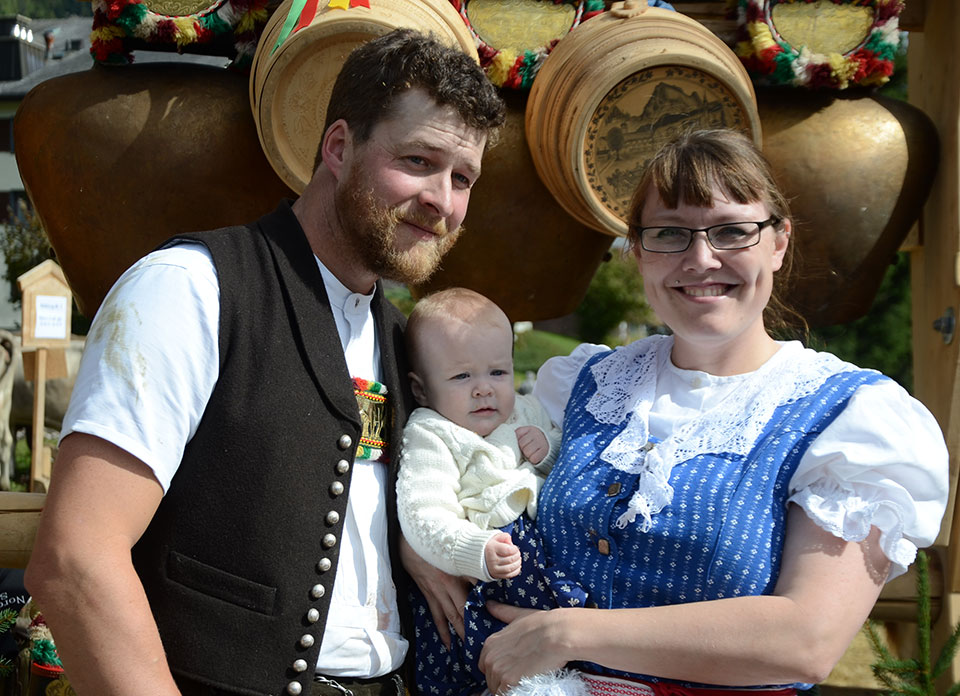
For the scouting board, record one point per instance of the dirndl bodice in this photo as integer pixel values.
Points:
(720, 536)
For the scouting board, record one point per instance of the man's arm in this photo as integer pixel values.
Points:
(81, 575)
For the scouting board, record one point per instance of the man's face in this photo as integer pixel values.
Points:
(404, 191)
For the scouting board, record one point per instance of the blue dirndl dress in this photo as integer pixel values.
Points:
(721, 534)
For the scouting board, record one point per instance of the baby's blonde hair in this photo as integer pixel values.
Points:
(453, 307)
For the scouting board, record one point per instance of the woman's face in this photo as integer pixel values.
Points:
(711, 299)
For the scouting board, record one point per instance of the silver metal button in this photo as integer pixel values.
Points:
(306, 641)
(317, 591)
(294, 688)
(345, 441)
(300, 666)
(343, 466)
(323, 565)
(329, 541)
(313, 615)
(336, 488)
(333, 517)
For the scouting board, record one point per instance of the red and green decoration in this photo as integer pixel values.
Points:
(771, 60)
(302, 13)
(120, 24)
(506, 68)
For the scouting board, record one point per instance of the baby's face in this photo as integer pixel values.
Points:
(467, 373)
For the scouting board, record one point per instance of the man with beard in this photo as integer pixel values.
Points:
(228, 451)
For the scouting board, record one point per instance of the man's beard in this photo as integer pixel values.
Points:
(371, 228)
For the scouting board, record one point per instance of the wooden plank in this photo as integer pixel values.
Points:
(933, 79)
(933, 86)
(19, 519)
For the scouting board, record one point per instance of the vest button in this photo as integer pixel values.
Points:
(313, 615)
(300, 666)
(306, 641)
(336, 488)
(613, 490)
(603, 546)
(329, 541)
(333, 517)
(323, 565)
(294, 688)
(343, 466)
(317, 591)
(345, 441)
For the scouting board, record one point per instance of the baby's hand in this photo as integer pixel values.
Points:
(502, 557)
(533, 443)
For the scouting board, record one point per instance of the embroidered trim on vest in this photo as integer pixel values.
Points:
(372, 401)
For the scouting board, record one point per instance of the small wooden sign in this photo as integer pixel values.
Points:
(47, 306)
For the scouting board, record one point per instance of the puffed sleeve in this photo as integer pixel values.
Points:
(882, 463)
(556, 378)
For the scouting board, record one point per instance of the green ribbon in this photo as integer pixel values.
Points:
(289, 23)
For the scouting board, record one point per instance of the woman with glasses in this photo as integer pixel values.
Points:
(731, 504)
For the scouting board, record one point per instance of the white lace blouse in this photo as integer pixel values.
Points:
(882, 462)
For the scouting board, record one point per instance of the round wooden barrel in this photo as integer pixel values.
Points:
(614, 91)
(520, 248)
(290, 83)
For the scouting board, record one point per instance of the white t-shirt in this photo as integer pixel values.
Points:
(150, 364)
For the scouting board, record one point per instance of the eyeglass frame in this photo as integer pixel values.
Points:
(772, 220)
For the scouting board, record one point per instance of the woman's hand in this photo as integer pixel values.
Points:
(528, 645)
(445, 594)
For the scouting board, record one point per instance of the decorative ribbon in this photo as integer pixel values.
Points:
(303, 12)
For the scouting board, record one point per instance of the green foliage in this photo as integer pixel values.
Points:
(533, 348)
(914, 676)
(46, 9)
(8, 617)
(401, 298)
(24, 245)
(615, 294)
(882, 338)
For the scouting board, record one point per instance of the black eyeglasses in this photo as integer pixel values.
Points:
(730, 235)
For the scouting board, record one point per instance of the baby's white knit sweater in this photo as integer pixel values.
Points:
(456, 489)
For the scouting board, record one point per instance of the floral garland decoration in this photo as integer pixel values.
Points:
(114, 21)
(773, 61)
(504, 68)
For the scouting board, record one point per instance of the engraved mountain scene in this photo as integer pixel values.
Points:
(641, 114)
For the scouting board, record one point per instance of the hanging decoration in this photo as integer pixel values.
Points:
(227, 27)
(772, 59)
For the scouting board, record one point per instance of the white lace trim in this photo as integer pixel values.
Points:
(627, 384)
(846, 514)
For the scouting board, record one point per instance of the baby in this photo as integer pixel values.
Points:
(475, 456)
(474, 459)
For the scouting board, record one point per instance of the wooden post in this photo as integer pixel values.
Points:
(933, 79)
(39, 397)
(47, 303)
